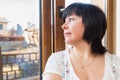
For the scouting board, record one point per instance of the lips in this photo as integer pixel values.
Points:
(66, 34)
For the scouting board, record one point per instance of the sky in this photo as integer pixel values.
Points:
(20, 11)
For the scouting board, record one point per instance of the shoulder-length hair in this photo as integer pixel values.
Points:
(95, 23)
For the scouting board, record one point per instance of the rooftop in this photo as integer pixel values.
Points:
(3, 19)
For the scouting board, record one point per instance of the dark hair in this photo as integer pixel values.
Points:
(95, 24)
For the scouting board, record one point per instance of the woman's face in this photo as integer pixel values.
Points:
(73, 29)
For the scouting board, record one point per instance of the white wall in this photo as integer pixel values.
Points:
(67, 2)
(118, 27)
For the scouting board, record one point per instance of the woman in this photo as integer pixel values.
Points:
(87, 59)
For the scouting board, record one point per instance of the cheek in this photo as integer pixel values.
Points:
(78, 32)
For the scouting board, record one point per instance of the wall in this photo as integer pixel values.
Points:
(68, 2)
(118, 27)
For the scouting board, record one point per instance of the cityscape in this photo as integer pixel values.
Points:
(19, 39)
(19, 50)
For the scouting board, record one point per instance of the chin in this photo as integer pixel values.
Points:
(68, 42)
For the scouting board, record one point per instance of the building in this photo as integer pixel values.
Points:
(3, 26)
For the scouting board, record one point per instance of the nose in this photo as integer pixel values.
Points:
(64, 26)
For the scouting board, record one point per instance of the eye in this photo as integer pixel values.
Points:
(71, 19)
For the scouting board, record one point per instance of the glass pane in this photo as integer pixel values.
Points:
(19, 39)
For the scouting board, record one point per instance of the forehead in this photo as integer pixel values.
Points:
(73, 16)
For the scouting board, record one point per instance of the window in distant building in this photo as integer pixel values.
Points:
(1, 26)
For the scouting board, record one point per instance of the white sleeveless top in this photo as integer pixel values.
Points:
(59, 63)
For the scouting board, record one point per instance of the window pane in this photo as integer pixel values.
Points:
(19, 39)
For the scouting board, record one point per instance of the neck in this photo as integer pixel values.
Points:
(83, 51)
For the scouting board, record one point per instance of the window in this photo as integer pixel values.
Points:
(20, 46)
